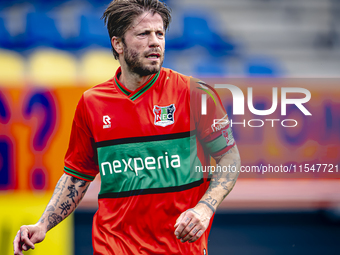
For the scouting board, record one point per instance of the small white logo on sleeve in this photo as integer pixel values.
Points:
(106, 121)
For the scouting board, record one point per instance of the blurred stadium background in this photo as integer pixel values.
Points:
(51, 51)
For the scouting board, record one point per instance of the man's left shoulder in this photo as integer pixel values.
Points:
(186, 82)
(179, 79)
(199, 87)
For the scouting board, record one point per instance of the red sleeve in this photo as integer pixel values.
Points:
(212, 125)
(81, 157)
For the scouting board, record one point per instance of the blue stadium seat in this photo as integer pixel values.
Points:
(197, 32)
(41, 30)
(9, 41)
(45, 6)
(5, 41)
(93, 31)
(211, 66)
(99, 3)
(262, 67)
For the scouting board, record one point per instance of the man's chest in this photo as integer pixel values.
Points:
(118, 117)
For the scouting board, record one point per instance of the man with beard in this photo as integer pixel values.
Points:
(143, 131)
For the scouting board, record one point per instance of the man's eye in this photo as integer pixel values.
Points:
(143, 33)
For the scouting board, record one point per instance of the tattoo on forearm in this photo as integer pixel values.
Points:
(65, 207)
(84, 191)
(60, 190)
(214, 182)
(50, 208)
(229, 151)
(57, 188)
(211, 201)
(53, 220)
(76, 180)
(226, 180)
(225, 186)
(223, 180)
(73, 192)
(82, 183)
(207, 204)
(232, 150)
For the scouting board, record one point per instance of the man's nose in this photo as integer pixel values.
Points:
(154, 41)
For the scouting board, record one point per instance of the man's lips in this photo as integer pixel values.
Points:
(153, 55)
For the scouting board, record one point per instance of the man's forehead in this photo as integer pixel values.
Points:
(147, 20)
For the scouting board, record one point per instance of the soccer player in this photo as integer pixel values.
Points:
(144, 133)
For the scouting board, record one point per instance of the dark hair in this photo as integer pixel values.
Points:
(120, 14)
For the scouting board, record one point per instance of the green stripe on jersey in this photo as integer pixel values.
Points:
(80, 175)
(142, 91)
(148, 165)
(216, 145)
(147, 86)
(121, 88)
(208, 92)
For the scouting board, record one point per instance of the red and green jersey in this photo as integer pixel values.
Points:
(150, 147)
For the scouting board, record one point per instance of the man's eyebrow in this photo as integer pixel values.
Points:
(148, 30)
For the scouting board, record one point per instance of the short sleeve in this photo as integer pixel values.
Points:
(210, 119)
(81, 157)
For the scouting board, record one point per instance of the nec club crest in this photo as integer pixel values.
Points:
(164, 115)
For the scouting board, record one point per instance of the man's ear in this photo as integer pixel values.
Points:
(117, 44)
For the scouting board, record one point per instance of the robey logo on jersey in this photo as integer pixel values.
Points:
(106, 121)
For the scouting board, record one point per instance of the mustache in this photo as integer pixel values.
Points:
(153, 51)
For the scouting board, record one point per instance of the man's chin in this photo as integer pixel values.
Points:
(151, 69)
(146, 71)
(154, 64)
(155, 68)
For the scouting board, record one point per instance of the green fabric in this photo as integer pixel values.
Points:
(121, 88)
(145, 165)
(142, 91)
(80, 175)
(216, 145)
(139, 93)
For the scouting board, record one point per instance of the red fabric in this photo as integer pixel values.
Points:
(141, 224)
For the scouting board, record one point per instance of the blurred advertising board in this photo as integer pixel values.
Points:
(24, 208)
(34, 130)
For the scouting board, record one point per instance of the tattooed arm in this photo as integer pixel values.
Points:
(68, 193)
(192, 223)
(222, 182)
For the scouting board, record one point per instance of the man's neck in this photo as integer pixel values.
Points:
(132, 81)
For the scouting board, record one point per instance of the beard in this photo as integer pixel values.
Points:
(134, 59)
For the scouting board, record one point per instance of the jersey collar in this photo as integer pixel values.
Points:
(133, 95)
